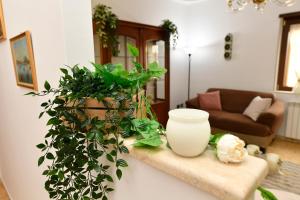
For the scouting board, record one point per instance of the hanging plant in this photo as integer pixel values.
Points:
(170, 27)
(89, 114)
(106, 24)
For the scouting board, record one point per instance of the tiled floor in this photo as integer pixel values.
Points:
(3, 194)
(288, 150)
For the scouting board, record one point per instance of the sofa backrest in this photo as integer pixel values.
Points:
(236, 101)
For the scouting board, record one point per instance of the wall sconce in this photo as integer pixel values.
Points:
(228, 46)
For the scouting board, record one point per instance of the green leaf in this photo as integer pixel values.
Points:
(266, 194)
(154, 141)
(214, 139)
(61, 175)
(41, 160)
(133, 50)
(109, 158)
(47, 86)
(109, 178)
(31, 93)
(121, 163)
(53, 121)
(119, 174)
(50, 156)
(41, 114)
(63, 70)
(41, 146)
(90, 135)
(44, 104)
(124, 149)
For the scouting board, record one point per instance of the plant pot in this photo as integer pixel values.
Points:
(94, 108)
(188, 131)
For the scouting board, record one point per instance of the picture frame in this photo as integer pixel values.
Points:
(2, 24)
(23, 59)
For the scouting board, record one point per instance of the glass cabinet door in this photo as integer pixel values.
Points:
(155, 52)
(123, 57)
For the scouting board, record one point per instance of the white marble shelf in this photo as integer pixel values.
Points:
(224, 181)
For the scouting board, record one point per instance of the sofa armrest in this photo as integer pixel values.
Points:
(193, 103)
(273, 117)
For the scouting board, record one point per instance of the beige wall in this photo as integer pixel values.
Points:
(58, 28)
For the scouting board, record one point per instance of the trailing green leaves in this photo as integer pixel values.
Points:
(82, 149)
(172, 29)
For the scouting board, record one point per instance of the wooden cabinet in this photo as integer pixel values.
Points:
(153, 44)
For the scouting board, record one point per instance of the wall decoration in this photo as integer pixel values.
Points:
(2, 24)
(22, 53)
(228, 46)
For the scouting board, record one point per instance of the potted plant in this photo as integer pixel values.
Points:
(172, 29)
(106, 25)
(90, 113)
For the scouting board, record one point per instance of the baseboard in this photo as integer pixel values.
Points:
(288, 139)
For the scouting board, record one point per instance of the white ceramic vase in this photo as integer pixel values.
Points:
(188, 131)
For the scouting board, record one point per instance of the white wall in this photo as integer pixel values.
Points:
(62, 34)
(153, 12)
(20, 129)
(256, 35)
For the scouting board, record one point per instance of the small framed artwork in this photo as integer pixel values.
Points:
(22, 54)
(2, 24)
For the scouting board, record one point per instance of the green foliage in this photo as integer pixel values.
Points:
(266, 194)
(106, 25)
(214, 139)
(83, 151)
(169, 26)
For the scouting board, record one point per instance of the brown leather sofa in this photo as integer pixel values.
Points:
(231, 119)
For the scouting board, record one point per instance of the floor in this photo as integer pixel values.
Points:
(287, 149)
(3, 194)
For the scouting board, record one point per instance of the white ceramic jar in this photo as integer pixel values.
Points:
(188, 131)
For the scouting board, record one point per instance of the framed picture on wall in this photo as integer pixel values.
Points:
(2, 24)
(23, 58)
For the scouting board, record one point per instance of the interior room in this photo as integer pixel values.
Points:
(150, 99)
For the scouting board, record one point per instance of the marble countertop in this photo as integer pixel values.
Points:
(224, 181)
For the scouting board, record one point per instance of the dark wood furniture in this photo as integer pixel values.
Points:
(231, 119)
(289, 20)
(153, 44)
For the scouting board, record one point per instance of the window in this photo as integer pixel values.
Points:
(289, 60)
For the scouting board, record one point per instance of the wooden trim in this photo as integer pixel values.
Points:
(290, 15)
(27, 35)
(2, 23)
(288, 22)
(138, 25)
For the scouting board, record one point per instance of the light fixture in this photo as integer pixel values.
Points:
(237, 5)
(189, 51)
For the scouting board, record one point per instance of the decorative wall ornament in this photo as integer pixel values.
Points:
(2, 24)
(228, 46)
(23, 58)
(237, 5)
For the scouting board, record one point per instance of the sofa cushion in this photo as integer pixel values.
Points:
(237, 122)
(257, 106)
(236, 101)
(210, 101)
